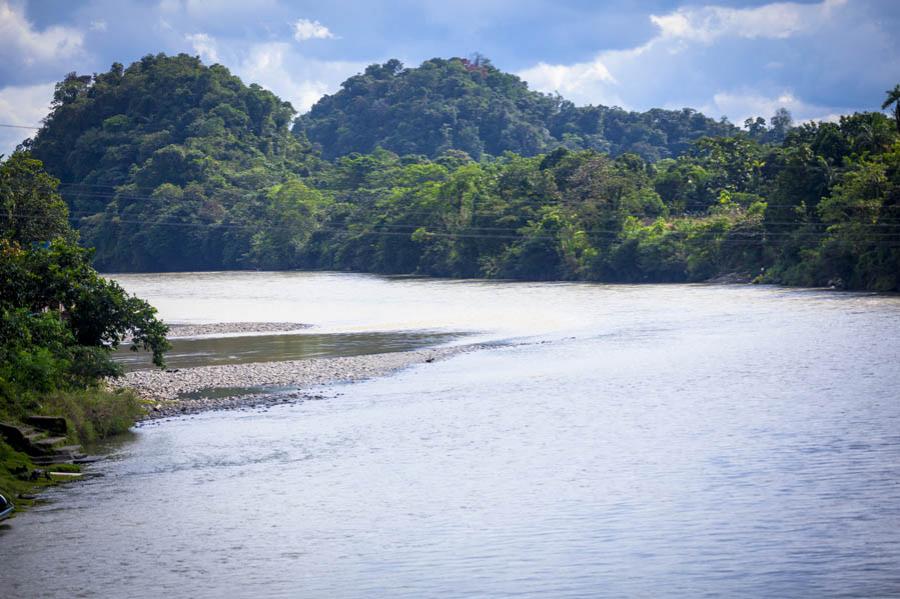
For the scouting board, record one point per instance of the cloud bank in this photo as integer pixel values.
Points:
(737, 62)
(737, 58)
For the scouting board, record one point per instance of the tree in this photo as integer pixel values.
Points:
(30, 208)
(59, 319)
(756, 128)
(780, 123)
(290, 215)
(470, 105)
(893, 97)
(156, 156)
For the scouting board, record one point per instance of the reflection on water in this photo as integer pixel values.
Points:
(186, 353)
(222, 392)
(682, 441)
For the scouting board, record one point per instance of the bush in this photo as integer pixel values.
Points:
(94, 413)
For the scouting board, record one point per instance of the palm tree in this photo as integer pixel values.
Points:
(893, 97)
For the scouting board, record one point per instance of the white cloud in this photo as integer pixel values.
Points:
(568, 80)
(277, 66)
(23, 105)
(204, 46)
(778, 20)
(743, 104)
(598, 81)
(300, 80)
(98, 25)
(696, 53)
(304, 29)
(28, 46)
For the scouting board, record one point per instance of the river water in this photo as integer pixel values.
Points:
(625, 441)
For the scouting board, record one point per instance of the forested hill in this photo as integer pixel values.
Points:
(458, 104)
(171, 140)
(172, 165)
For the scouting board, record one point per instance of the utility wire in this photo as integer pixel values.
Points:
(357, 202)
(883, 239)
(464, 230)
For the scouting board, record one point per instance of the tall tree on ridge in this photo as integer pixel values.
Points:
(893, 97)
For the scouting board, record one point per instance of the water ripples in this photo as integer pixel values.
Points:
(688, 441)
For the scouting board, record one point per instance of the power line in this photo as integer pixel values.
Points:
(19, 126)
(882, 239)
(356, 202)
(436, 212)
(801, 228)
(466, 230)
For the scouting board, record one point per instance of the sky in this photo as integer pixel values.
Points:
(731, 58)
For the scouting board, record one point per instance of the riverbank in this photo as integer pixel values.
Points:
(179, 392)
(191, 390)
(183, 330)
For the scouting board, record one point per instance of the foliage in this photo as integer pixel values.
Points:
(893, 99)
(32, 210)
(454, 168)
(94, 413)
(95, 311)
(171, 142)
(471, 106)
(59, 319)
(12, 484)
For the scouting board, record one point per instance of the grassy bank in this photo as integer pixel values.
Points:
(92, 414)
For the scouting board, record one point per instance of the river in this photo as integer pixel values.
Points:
(658, 440)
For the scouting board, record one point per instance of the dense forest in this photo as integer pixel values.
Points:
(457, 169)
(469, 105)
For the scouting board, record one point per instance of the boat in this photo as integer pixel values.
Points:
(6, 507)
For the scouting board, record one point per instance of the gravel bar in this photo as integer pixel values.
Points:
(165, 388)
(177, 331)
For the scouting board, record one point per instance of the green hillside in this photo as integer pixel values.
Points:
(456, 169)
(458, 104)
(172, 142)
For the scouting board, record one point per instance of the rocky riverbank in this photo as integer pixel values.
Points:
(179, 331)
(169, 391)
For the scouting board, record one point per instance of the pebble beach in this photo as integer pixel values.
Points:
(258, 383)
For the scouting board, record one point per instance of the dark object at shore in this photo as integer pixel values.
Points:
(53, 424)
(43, 444)
(37, 473)
(6, 507)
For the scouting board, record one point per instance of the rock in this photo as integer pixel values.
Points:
(54, 424)
(225, 328)
(166, 388)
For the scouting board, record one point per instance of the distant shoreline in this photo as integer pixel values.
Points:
(186, 330)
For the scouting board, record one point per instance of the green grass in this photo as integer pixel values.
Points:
(94, 413)
(11, 485)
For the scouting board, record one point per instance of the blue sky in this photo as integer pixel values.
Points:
(728, 58)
